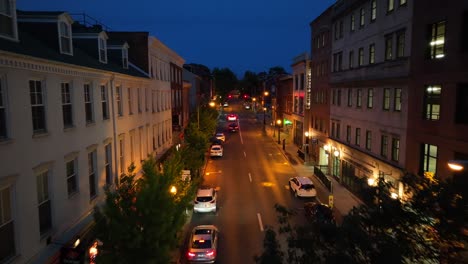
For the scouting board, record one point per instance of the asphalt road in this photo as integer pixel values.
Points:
(251, 178)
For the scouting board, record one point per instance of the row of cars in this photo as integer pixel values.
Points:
(203, 242)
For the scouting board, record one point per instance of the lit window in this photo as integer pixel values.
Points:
(370, 98)
(400, 52)
(388, 47)
(384, 146)
(362, 17)
(104, 102)
(390, 5)
(368, 139)
(373, 10)
(432, 100)
(429, 153)
(372, 54)
(361, 57)
(397, 100)
(437, 40)
(359, 98)
(353, 22)
(358, 137)
(386, 99)
(350, 97)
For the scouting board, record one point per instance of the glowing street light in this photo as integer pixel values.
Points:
(173, 190)
(457, 165)
(279, 125)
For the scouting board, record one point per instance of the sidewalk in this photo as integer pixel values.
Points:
(343, 199)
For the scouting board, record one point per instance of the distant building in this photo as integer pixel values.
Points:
(299, 72)
(78, 105)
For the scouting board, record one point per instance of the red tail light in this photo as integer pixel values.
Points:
(211, 253)
(190, 254)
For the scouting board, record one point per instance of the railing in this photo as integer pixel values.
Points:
(322, 177)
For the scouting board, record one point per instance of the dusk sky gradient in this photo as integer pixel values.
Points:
(238, 34)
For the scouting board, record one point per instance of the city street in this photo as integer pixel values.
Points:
(251, 178)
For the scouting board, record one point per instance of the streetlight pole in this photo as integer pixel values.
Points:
(264, 121)
(306, 148)
(279, 125)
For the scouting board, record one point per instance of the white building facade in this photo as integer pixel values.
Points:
(73, 123)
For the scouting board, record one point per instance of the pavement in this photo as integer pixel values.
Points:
(342, 200)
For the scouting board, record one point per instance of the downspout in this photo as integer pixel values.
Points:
(114, 130)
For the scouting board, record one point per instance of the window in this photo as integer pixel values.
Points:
(146, 99)
(359, 98)
(388, 47)
(132, 145)
(339, 98)
(139, 99)
(3, 119)
(44, 203)
(350, 97)
(88, 100)
(108, 163)
(332, 129)
(361, 57)
(358, 137)
(384, 146)
(7, 226)
(104, 102)
(371, 53)
(432, 100)
(130, 108)
(437, 40)
(140, 143)
(353, 22)
(65, 38)
(122, 155)
(154, 137)
(397, 100)
(6, 21)
(118, 98)
(400, 52)
(341, 29)
(373, 10)
(102, 50)
(338, 61)
(368, 139)
(348, 134)
(338, 130)
(390, 5)
(429, 158)
(72, 185)
(351, 59)
(362, 18)
(395, 149)
(461, 107)
(66, 105)
(153, 107)
(386, 99)
(370, 98)
(37, 106)
(125, 58)
(92, 174)
(402, 2)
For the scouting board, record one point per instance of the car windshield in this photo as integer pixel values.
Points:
(307, 186)
(204, 199)
(215, 148)
(201, 243)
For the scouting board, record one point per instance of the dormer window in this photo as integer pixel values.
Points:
(7, 23)
(65, 38)
(102, 50)
(125, 58)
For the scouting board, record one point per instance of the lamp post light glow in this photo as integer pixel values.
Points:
(173, 190)
(212, 104)
(457, 165)
(279, 125)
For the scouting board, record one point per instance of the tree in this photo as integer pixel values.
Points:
(427, 227)
(226, 81)
(140, 220)
(272, 253)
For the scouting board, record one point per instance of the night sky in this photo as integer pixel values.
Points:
(238, 34)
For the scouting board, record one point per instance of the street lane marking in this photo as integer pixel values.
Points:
(260, 222)
(245, 155)
(250, 177)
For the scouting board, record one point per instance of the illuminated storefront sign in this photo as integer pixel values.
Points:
(309, 86)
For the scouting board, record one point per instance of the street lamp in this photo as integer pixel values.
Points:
(279, 125)
(457, 165)
(264, 121)
(173, 190)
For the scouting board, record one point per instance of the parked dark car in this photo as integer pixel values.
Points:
(233, 127)
(319, 212)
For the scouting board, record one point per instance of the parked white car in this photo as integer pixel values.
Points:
(302, 187)
(205, 201)
(216, 151)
